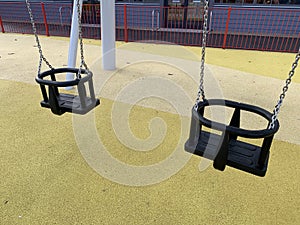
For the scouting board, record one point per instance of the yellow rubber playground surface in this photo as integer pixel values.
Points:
(124, 163)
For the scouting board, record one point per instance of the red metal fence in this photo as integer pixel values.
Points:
(243, 28)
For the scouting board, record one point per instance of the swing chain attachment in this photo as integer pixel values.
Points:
(82, 61)
(201, 94)
(284, 90)
(42, 57)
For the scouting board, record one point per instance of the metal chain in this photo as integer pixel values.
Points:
(204, 39)
(42, 57)
(284, 90)
(82, 61)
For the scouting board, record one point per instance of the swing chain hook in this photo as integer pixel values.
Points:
(284, 90)
(42, 57)
(201, 94)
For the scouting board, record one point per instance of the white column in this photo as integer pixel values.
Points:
(74, 34)
(108, 34)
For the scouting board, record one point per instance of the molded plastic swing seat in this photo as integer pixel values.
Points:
(60, 103)
(71, 103)
(224, 149)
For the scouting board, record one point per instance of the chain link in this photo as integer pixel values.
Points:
(42, 57)
(201, 94)
(284, 90)
(82, 61)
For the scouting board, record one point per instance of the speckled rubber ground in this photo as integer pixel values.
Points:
(45, 178)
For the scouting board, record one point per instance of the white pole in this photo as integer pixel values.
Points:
(74, 34)
(108, 34)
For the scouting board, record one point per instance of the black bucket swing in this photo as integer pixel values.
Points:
(219, 142)
(59, 103)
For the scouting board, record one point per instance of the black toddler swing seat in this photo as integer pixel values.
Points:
(220, 142)
(226, 149)
(59, 103)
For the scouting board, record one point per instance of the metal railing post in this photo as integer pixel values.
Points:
(1, 25)
(45, 19)
(226, 28)
(125, 24)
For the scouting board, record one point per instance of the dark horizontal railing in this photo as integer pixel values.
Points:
(254, 28)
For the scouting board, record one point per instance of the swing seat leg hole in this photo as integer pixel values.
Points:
(241, 155)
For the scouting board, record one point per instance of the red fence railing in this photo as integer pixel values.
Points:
(1, 25)
(243, 28)
(257, 28)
